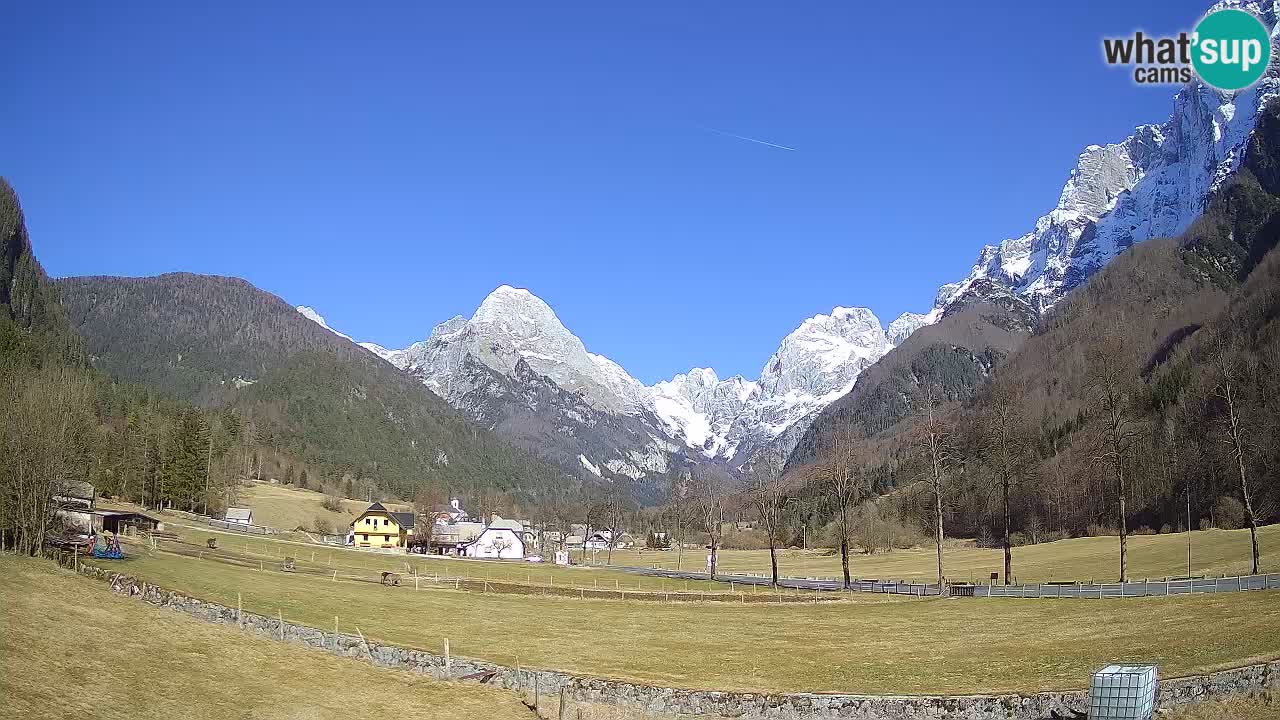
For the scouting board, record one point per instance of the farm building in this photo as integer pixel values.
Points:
(124, 522)
(378, 527)
(501, 539)
(453, 539)
(239, 516)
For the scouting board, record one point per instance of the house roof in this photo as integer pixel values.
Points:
(501, 524)
(376, 507)
(403, 519)
(235, 513)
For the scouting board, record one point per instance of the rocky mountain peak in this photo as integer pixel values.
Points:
(902, 327)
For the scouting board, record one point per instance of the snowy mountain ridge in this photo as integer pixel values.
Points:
(1152, 184)
(731, 419)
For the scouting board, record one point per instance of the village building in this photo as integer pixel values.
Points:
(454, 538)
(239, 516)
(378, 527)
(500, 539)
(77, 508)
(449, 514)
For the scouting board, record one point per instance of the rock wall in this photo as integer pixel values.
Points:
(789, 706)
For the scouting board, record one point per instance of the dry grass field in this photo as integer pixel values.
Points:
(367, 563)
(286, 507)
(70, 648)
(867, 644)
(1261, 707)
(1213, 552)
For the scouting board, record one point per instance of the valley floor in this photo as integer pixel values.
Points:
(70, 648)
(866, 644)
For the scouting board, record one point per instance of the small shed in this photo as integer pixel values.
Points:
(124, 522)
(239, 515)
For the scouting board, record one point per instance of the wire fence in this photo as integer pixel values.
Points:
(1080, 590)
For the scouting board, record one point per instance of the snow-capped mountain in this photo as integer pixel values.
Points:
(1152, 184)
(514, 335)
(311, 314)
(737, 420)
(514, 366)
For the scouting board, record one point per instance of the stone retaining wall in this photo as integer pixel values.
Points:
(673, 701)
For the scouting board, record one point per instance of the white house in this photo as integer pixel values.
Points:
(501, 539)
(598, 540)
(239, 516)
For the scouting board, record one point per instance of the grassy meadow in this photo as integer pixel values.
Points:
(70, 648)
(1213, 552)
(1259, 707)
(369, 564)
(285, 507)
(868, 643)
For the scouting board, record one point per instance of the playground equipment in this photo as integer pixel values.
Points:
(109, 550)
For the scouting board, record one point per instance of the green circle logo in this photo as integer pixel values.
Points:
(1232, 49)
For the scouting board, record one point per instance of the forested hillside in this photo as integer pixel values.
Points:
(332, 406)
(1156, 383)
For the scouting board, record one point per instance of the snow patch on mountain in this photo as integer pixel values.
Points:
(591, 467)
(315, 317)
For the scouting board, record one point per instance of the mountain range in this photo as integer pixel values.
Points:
(514, 367)
(610, 423)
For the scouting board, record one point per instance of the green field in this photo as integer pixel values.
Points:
(70, 648)
(865, 644)
(1213, 552)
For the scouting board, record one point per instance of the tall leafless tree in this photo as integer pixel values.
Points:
(709, 500)
(679, 490)
(1007, 450)
(934, 437)
(841, 477)
(764, 490)
(612, 512)
(1111, 385)
(1228, 391)
(45, 423)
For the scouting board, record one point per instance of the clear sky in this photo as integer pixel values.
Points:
(391, 165)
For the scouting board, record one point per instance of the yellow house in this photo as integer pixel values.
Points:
(378, 527)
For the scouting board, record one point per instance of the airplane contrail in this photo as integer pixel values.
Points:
(749, 139)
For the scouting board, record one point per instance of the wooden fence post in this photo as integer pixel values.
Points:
(239, 611)
(280, 614)
(448, 662)
(564, 702)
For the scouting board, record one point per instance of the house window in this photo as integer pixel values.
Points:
(364, 537)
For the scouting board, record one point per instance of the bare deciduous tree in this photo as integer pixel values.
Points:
(765, 491)
(709, 501)
(1007, 450)
(840, 473)
(935, 441)
(45, 421)
(1233, 422)
(612, 512)
(1110, 382)
(679, 498)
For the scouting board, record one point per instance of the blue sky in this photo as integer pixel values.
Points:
(391, 166)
